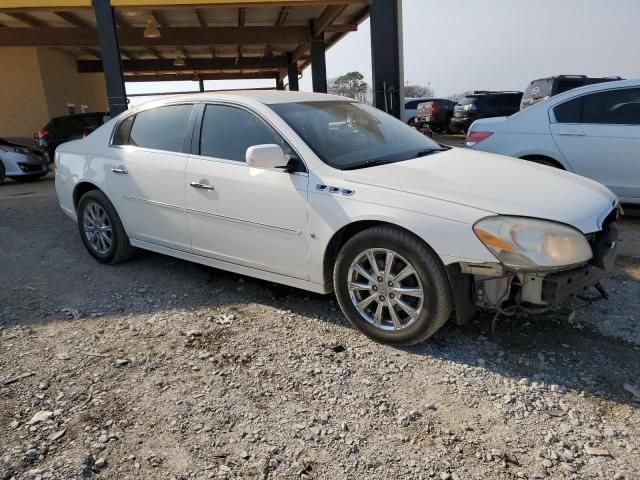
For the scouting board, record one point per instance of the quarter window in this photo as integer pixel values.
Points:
(124, 129)
(569, 112)
(227, 133)
(613, 107)
(162, 128)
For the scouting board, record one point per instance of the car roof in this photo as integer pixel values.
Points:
(262, 96)
(594, 87)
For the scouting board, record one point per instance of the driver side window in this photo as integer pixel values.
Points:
(227, 132)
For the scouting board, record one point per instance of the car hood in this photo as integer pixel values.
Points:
(496, 184)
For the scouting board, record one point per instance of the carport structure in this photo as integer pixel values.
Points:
(155, 40)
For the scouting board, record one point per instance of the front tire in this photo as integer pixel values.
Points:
(391, 286)
(2, 177)
(101, 230)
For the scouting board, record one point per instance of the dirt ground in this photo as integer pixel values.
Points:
(158, 368)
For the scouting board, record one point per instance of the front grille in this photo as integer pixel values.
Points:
(29, 167)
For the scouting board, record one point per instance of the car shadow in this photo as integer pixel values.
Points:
(553, 349)
(46, 274)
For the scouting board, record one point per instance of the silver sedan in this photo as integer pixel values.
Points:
(21, 162)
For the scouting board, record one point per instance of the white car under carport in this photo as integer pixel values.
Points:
(593, 131)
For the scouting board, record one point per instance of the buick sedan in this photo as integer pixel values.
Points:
(330, 195)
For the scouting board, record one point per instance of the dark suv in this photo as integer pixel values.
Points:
(64, 129)
(481, 104)
(543, 88)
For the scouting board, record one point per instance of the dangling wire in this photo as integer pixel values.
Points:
(506, 312)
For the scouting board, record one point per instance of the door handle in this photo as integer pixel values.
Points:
(203, 186)
(572, 132)
(122, 171)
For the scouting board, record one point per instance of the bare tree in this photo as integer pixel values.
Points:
(457, 96)
(418, 91)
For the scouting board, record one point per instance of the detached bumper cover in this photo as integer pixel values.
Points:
(559, 286)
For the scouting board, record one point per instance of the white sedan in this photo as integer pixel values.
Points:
(593, 131)
(327, 194)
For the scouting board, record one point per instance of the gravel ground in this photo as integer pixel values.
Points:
(158, 368)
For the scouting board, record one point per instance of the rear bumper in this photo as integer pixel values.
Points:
(461, 122)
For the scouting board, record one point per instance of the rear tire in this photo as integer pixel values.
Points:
(384, 304)
(451, 129)
(101, 230)
(2, 177)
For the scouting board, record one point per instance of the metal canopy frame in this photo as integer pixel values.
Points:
(207, 39)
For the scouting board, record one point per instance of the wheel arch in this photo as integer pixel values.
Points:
(80, 189)
(536, 156)
(459, 284)
(346, 232)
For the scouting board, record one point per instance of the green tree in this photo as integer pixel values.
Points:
(350, 85)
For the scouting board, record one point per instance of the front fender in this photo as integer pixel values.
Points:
(430, 219)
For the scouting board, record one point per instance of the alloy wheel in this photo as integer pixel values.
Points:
(385, 289)
(97, 228)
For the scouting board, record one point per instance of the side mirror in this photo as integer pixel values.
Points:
(265, 156)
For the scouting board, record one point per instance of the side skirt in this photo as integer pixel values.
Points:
(232, 267)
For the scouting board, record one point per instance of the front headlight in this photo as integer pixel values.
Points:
(530, 244)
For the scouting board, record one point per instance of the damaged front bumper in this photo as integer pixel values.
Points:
(492, 286)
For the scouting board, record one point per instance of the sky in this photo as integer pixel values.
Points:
(485, 45)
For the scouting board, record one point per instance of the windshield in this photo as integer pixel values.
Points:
(467, 100)
(538, 89)
(348, 135)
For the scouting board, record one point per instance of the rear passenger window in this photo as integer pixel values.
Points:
(621, 107)
(162, 128)
(613, 107)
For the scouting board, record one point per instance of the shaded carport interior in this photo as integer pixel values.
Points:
(208, 39)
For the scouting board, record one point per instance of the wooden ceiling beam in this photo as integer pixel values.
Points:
(203, 23)
(204, 76)
(171, 36)
(348, 27)
(27, 19)
(73, 19)
(330, 15)
(159, 18)
(282, 16)
(166, 64)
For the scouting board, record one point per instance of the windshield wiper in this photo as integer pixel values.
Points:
(369, 163)
(385, 161)
(428, 151)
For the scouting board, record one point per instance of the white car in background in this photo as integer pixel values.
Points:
(593, 131)
(327, 194)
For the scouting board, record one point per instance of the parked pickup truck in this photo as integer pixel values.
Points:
(436, 114)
